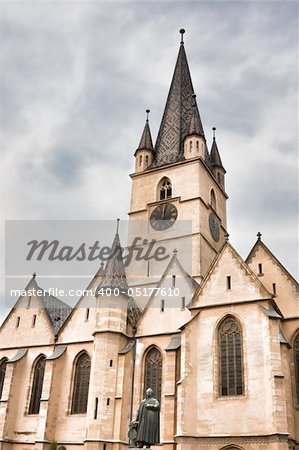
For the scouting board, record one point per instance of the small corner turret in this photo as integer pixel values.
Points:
(144, 154)
(216, 163)
(194, 143)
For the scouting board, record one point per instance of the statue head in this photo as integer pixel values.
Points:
(149, 393)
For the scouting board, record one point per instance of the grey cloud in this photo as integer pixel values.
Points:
(75, 85)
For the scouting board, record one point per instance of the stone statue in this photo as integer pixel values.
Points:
(148, 421)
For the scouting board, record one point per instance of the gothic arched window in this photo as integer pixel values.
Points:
(153, 372)
(165, 189)
(213, 199)
(296, 362)
(81, 384)
(37, 385)
(230, 357)
(2, 374)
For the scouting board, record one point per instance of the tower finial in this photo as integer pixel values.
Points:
(259, 235)
(147, 113)
(182, 31)
(34, 274)
(214, 129)
(117, 225)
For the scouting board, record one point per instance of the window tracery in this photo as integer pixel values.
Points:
(81, 384)
(153, 372)
(165, 189)
(230, 358)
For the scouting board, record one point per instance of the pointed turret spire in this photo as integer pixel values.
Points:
(195, 123)
(146, 142)
(215, 159)
(115, 275)
(177, 114)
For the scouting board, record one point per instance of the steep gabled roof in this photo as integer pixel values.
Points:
(260, 243)
(190, 281)
(177, 115)
(57, 310)
(227, 246)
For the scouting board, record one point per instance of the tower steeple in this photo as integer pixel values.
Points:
(216, 163)
(175, 124)
(114, 279)
(115, 275)
(145, 151)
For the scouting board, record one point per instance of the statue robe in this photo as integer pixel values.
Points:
(148, 418)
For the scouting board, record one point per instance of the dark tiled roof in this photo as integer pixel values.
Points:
(115, 277)
(177, 115)
(215, 159)
(57, 310)
(146, 142)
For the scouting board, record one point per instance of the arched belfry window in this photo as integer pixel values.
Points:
(213, 199)
(2, 374)
(230, 357)
(37, 385)
(165, 189)
(153, 372)
(296, 362)
(81, 384)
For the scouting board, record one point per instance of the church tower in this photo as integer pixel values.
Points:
(178, 181)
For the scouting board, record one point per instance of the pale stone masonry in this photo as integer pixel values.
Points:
(229, 391)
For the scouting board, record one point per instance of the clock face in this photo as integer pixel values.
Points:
(214, 226)
(163, 216)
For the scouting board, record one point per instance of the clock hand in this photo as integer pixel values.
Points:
(163, 211)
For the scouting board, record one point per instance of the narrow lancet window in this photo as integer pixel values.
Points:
(37, 385)
(213, 200)
(81, 384)
(153, 372)
(230, 358)
(2, 375)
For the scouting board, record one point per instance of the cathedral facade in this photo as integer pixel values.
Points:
(222, 355)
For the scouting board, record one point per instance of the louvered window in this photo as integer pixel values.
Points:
(81, 384)
(2, 375)
(296, 361)
(230, 356)
(153, 372)
(37, 385)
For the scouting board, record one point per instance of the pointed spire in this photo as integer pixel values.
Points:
(115, 275)
(146, 142)
(195, 123)
(177, 114)
(215, 159)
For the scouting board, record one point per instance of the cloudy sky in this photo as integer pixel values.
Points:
(77, 77)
